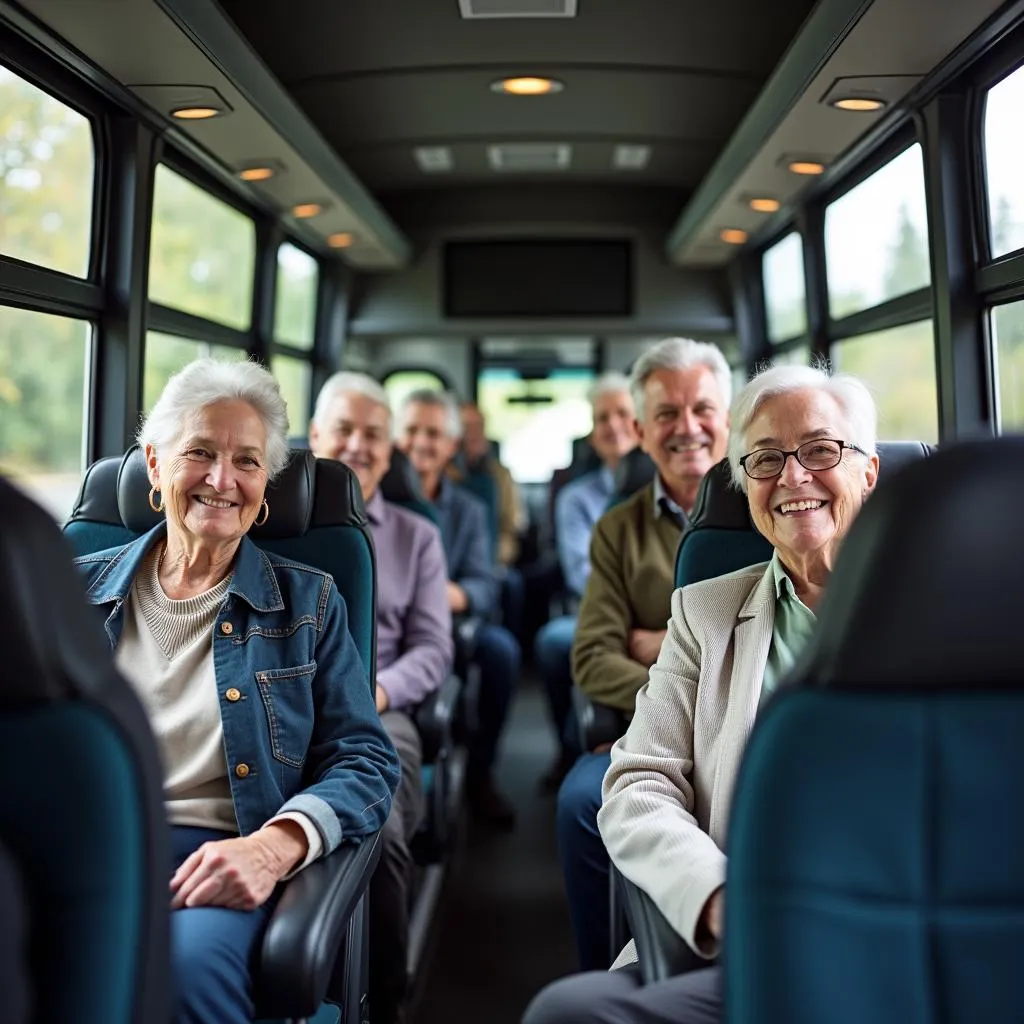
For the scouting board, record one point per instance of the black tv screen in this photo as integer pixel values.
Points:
(576, 278)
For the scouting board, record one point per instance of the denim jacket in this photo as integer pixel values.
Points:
(301, 729)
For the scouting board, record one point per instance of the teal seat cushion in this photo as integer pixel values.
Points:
(709, 551)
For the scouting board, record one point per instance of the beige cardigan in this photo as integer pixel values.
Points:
(666, 795)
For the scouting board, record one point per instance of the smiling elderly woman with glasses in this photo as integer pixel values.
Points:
(802, 448)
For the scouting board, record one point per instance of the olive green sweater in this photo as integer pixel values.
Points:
(632, 576)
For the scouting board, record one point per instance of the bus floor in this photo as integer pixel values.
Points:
(503, 930)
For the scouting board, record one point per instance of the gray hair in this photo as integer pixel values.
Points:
(347, 382)
(439, 400)
(206, 381)
(679, 354)
(849, 392)
(607, 384)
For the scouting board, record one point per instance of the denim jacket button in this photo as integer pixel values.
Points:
(233, 694)
(242, 770)
(226, 628)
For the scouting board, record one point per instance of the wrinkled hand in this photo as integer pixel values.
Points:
(457, 599)
(241, 873)
(382, 700)
(644, 645)
(712, 917)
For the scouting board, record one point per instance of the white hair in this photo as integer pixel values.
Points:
(206, 381)
(679, 354)
(607, 384)
(439, 399)
(850, 393)
(348, 382)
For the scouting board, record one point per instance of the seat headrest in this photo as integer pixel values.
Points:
(52, 641)
(290, 497)
(401, 483)
(339, 498)
(924, 592)
(97, 495)
(893, 455)
(584, 458)
(635, 470)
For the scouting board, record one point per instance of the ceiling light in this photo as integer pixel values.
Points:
(196, 113)
(304, 210)
(806, 167)
(763, 204)
(733, 236)
(527, 86)
(340, 240)
(631, 158)
(433, 159)
(256, 173)
(859, 103)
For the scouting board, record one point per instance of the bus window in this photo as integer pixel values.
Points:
(43, 381)
(400, 383)
(46, 178)
(167, 354)
(295, 301)
(296, 378)
(876, 237)
(1008, 357)
(202, 255)
(1002, 163)
(535, 421)
(782, 269)
(799, 355)
(898, 365)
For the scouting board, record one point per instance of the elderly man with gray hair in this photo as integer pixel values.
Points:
(681, 391)
(428, 431)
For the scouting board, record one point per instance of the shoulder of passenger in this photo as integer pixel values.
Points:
(288, 572)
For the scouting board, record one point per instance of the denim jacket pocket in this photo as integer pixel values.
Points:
(288, 698)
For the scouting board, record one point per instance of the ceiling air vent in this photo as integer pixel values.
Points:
(529, 156)
(517, 8)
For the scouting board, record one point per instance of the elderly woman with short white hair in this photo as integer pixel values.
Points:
(271, 746)
(802, 449)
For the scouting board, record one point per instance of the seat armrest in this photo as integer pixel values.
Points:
(464, 630)
(307, 928)
(661, 950)
(598, 723)
(433, 717)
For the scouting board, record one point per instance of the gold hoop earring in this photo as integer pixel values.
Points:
(152, 504)
(266, 514)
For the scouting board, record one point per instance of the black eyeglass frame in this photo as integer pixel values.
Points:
(795, 452)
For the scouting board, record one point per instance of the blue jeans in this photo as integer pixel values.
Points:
(499, 658)
(585, 863)
(552, 651)
(513, 601)
(211, 949)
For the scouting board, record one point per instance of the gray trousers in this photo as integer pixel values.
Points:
(620, 997)
(392, 881)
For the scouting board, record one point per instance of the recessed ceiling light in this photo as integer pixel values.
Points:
(860, 103)
(806, 167)
(763, 204)
(196, 113)
(631, 157)
(340, 240)
(527, 86)
(304, 210)
(733, 236)
(433, 159)
(256, 173)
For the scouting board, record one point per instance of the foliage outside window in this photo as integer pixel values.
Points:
(295, 377)
(536, 436)
(404, 382)
(898, 365)
(876, 237)
(202, 255)
(1003, 164)
(47, 165)
(785, 296)
(1008, 359)
(43, 381)
(295, 302)
(167, 354)
(799, 356)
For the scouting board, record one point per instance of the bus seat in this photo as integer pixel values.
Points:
(875, 869)
(635, 470)
(82, 825)
(401, 486)
(317, 518)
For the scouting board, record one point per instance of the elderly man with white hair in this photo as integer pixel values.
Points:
(803, 451)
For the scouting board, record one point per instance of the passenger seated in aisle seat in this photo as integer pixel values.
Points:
(578, 507)
(428, 432)
(478, 457)
(803, 450)
(272, 750)
(352, 423)
(681, 392)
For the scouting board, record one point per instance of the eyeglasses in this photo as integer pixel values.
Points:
(823, 453)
